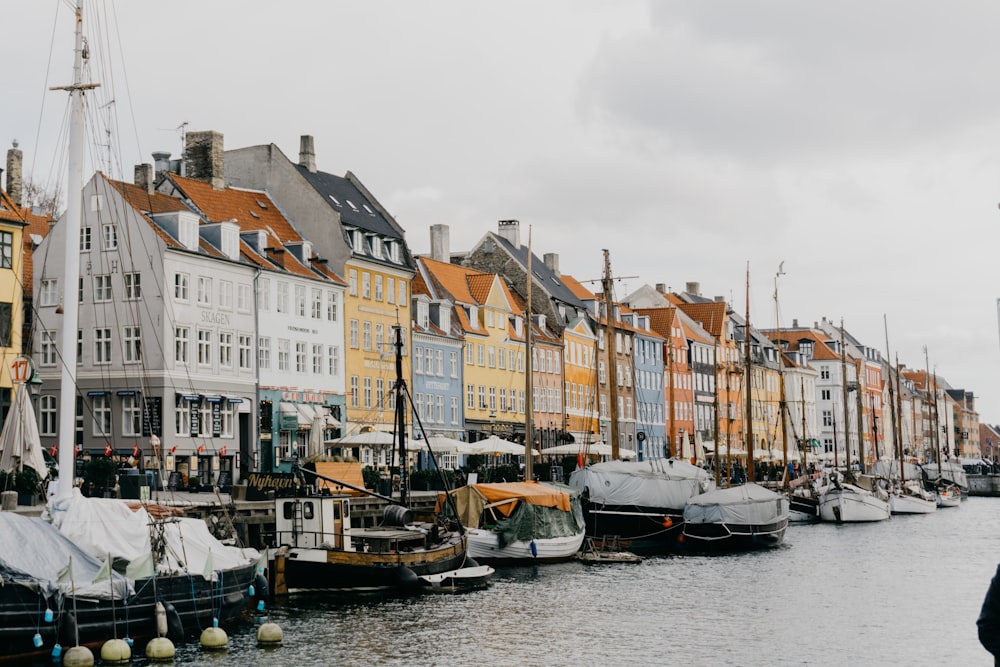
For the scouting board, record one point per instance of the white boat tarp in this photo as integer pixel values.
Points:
(107, 525)
(34, 553)
(951, 471)
(665, 483)
(747, 504)
(889, 469)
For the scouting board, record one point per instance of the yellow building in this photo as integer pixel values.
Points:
(580, 369)
(494, 330)
(13, 220)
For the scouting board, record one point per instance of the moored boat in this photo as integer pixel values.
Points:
(844, 502)
(511, 522)
(910, 498)
(739, 518)
(642, 503)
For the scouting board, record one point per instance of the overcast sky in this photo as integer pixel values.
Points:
(853, 141)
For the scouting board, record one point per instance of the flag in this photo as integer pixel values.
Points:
(79, 449)
(104, 572)
(262, 562)
(173, 450)
(66, 574)
(141, 567)
(201, 449)
(209, 572)
(222, 452)
(135, 450)
(53, 450)
(107, 449)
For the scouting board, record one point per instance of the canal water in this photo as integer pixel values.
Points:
(902, 592)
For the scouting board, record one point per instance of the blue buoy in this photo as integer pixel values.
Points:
(260, 606)
(215, 622)
(37, 640)
(534, 549)
(48, 615)
(251, 591)
(56, 651)
(130, 642)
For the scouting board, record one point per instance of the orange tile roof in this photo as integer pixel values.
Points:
(451, 278)
(252, 210)
(480, 285)
(661, 320)
(821, 350)
(38, 225)
(578, 290)
(146, 202)
(711, 316)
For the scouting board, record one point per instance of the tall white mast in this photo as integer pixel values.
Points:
(71, 221)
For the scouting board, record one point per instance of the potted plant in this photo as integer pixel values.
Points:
(194, 483)
(27, 485)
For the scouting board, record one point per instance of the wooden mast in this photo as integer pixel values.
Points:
(748, 428)
(529, 367)
(805, 440)
(897, 437)
(899, 411)
(609, 343)
(782, 403)
(672, 449)
(715, 425)
(400, 391)
(843, 382)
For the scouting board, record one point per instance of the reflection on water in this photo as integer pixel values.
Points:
(906, 591)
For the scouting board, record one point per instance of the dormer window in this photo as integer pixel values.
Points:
(358, 241)
(394, 251)
(423, 314)
(376, 246)
(474, 317)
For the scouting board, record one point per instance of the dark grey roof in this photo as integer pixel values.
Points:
(544, 277)
(341, 189)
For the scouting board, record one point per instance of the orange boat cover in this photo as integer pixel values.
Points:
(348, 472)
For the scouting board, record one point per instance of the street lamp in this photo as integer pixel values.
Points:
(35, 387)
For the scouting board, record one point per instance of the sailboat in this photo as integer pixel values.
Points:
(202, 584)
(847, 498)
(942, 481)
(907, 496)
(743, 517)
(322, 551)
(637, 504)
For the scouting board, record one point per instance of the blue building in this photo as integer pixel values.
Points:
(647, 364)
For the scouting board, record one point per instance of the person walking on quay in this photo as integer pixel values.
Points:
(989, 619)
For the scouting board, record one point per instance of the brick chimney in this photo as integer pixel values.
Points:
(14, 188)
(511, 231)
(307, 153)
(144, 177)
(551, 260)
(203, 157)
(440, 243)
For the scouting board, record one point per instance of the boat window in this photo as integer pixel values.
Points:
(336, 511)
(307, 510)
(289, 510)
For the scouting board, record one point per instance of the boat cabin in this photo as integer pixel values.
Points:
(323, 521)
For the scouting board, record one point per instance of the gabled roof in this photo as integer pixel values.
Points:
(576, 288)
(553, 284)
(356, 208)
(711, 315)
(252, 210)
(34, 225)
(792, 339)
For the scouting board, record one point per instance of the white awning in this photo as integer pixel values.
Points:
(306, 415)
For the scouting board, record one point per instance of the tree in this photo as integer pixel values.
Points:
(44, 198)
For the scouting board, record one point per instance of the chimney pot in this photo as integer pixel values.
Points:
(511, 231)
(307, 153)
(551, 260)
(661, 288)
(795, 323)
(14, 184)
(440, 243)
(144, 177)
(203, 157)
(693, 288)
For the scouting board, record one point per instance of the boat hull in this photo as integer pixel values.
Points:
(803, 509)
(842, 506)
(734, 536)
(908, 504)
(644, 530)
(484, 546)
(317, 568)
(194, 600)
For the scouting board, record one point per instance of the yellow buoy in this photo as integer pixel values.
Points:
(78, 656)
(160, 649)
(269, 634)
(214, 639)
(115, 651)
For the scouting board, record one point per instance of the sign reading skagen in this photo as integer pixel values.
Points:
(215, 318)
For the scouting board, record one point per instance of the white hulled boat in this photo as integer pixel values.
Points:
(845, 502)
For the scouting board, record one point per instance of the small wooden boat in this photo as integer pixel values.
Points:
(607, 552)
(462, 579)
